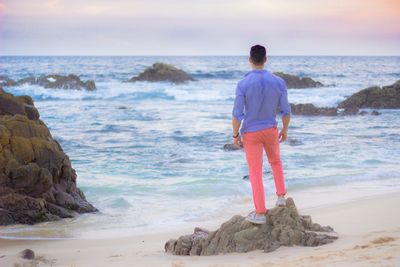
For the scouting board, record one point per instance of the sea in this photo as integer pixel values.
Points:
(150, 156)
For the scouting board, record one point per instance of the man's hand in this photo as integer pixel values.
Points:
(283, 135)
(238, 141)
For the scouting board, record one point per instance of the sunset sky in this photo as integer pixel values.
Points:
(201, 27)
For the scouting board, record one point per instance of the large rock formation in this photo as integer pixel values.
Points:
(284, 227)
(163, 72)
(37, 182)
(311, 110)
(52, 81)
(375, 97)
(293, 81)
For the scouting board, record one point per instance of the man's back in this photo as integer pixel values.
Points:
(258, 96)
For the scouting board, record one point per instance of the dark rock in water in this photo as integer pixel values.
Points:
(52, 81)
(375, 97)
(163, 72)
(65, 82)
(375, 113)
(362, 113)
(246, 177)
(231, 147)
(350, 111)
(284, 227)
(27, 254)
(293, 81)
(29, 80)
(6, 81)
(37, 182)
(294, 142)
(311, 110)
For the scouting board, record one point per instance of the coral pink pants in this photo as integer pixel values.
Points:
(254, 143)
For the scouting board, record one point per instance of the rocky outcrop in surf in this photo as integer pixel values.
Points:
(387, 97)
(6, 81)
(295, 82)
(53, 81)
(37, 182)
(284, 227)
(311, 110)
(159, 72)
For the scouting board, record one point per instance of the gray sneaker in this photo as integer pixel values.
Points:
(253, 217)
(281, 202)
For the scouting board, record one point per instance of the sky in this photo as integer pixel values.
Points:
(199, 27)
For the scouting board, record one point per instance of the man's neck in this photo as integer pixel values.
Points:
(257, 67)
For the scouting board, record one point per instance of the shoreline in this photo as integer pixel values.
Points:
(365, 239)
(306, 200)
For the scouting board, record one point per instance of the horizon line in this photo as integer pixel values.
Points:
(197, 55)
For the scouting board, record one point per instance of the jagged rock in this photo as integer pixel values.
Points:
(52, 81)
(163, 72)
(29, 80)
(284, 227)
(65, 82)
(375, 97)
(350, 111)
(231, 147)
(27, 254)
(293, 81)
(37, 182)
(362, 113)
(311, 110)
(294, 142)
(375, 113)
(6, 81)
(12, 105)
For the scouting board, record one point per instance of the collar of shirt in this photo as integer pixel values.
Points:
(256, 71)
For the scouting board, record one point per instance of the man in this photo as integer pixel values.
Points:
(258, 97)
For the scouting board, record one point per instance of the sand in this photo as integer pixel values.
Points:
(368, 229)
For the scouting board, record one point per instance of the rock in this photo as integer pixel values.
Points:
(23, 105)
(311, 110)
(350, 111)
(284, 227)
(37, 182)
(65, 82)
(29, 80)
(163, 72)
(293, 81)
(231, 147)
(294, 142)
(387, 97)
(6, 81)
(52, 81)
(362, 113)
(375, 113)
(27, 254)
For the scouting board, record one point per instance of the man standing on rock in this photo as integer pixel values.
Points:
(258, 97)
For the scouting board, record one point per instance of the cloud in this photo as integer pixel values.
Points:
(204, 27)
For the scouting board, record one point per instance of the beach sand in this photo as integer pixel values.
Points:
(368, 229)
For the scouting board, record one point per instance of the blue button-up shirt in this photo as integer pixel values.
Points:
(259, 95)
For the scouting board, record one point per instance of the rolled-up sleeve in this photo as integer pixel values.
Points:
(238, 107)
(284, 102)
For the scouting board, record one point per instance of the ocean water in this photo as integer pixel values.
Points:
(149, 155)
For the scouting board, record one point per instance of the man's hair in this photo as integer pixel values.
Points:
(258, 54)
